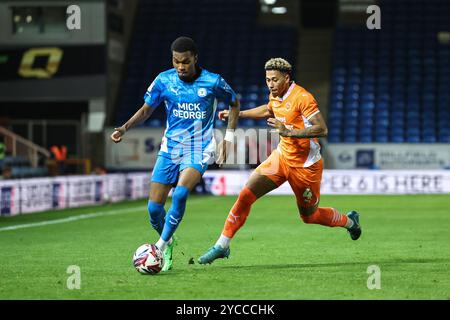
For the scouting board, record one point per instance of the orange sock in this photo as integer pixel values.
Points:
(239, 213)
(327, 217)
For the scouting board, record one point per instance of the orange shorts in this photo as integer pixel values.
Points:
(305, 182)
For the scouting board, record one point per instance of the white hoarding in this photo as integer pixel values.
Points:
(221, 182)
(10, 198)
(344, 182)
(60, 192)
(33, 195)
(115, 187)
(36, 195)
(85, 190)
(138, 148)
(385, 182)
(388, 156)
(138, 185)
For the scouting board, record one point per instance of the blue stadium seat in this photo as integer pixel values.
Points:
(366, 138)
(350, 139)
(334, 122)
(366, 130)
(156, 123)
(403, 70)
(444, 138)
(429, 139)
(413, 138)
(261, 123)
(220, 124)
(351, 106)
(381, 138)
(351, 122)
(241, 67)
(382, 122)
(366, 122)
(397, 131)
(337, 106)
(334, 138)
(350, 131)
(397, 139)
(382, 106)
(247, 122)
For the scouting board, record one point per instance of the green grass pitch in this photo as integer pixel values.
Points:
(275, 255)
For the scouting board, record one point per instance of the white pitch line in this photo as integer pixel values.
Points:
(81, 216)
(70, 219)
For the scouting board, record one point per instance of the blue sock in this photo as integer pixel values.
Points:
(176, 212)
(157, 215)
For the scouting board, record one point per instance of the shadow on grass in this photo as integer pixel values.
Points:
(384, 262)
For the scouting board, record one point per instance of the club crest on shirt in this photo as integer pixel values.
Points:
(288, 106)
(307, 195)
(276, 104)
(201, 92)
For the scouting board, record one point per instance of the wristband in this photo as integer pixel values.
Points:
(229, 136)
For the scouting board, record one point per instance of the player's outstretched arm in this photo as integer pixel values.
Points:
(317, 129)
(233, 115)
(261, 112)
(141, 115)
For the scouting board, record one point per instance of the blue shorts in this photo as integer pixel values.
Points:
(166, 171)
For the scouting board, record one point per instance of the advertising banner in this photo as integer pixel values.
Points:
(36, 195)
(388, 156)
(137, 150)
(137, 185)
(60, 192)
(44, 62)
(84, 190)
(343, 182)
(115, 187)
(10, 198)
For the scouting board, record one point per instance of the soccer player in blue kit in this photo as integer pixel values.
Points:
(190, 95)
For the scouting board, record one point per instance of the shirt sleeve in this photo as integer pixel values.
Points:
(154, 95)
(224, 92)
(308, 105)
(269, 106)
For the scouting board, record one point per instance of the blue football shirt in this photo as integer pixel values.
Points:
(190, 108)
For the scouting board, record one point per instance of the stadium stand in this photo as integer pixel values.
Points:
(21, 168)
(21, 158)
(393, 86)
(229, 39)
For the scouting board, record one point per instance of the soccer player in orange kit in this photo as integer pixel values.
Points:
(294, 114)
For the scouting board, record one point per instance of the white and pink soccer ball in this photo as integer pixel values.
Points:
(148, 259)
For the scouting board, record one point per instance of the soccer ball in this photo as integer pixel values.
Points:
(148, 259)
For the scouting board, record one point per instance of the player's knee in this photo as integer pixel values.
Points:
(176, 211)
(180, 193)
(307, 219)
(247, 196)
(179, 197)
(155, 210)
(306, 214)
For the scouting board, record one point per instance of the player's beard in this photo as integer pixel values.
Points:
(281, 89)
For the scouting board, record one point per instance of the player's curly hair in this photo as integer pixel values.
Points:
(183, 44)
(279, 64)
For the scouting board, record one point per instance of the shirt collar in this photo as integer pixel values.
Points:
(288, 92)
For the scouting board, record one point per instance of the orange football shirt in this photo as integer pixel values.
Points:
(294, 110)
